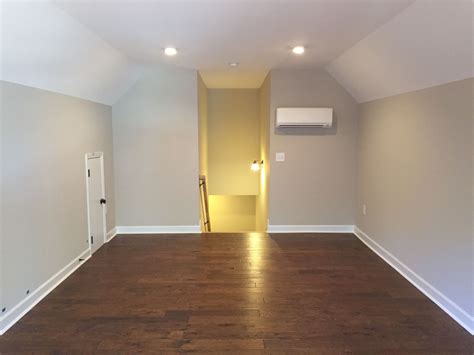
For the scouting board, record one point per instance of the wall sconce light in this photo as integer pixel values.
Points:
(256, 165)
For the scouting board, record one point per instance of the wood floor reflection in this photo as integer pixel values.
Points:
(315, 293)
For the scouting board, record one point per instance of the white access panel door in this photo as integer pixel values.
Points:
(96, 203)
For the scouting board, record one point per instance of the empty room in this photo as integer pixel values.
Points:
(281, 176)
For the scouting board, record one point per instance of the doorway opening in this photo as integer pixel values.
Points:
(233, 158)
(96, 202)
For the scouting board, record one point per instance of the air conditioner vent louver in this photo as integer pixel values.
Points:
(316, 117)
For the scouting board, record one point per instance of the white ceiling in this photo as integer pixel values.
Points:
(428, 44)
(43, 47)
(258, 34)
(374, 48)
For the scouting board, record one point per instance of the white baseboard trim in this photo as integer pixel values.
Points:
(111, 234)
(25, 305)
(310, 229)
(157, 229)
(446, 304)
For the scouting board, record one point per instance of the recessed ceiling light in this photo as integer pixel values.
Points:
(234, 64)
(170, 51)
(298, 50)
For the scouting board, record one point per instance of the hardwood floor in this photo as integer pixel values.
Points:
(237, 292)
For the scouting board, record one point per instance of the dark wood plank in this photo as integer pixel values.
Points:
(249, 293)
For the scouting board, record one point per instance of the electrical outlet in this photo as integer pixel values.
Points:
(280, 157)
(364, 210)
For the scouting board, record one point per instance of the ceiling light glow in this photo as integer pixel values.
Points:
(234, 64)
(170, 51)
(298, 50)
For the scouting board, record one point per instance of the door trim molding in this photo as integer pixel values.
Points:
(96, 155)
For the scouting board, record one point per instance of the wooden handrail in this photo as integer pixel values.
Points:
(204, 203)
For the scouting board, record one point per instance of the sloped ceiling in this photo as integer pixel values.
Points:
(211, 33)
(44, 47)
(427, 44)
(388, 46)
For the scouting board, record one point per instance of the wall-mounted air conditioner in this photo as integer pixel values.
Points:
(304, 117)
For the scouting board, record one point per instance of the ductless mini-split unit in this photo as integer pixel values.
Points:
(304, 117)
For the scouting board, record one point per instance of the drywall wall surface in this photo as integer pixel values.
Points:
(45, 137)
(472, 189)
(233, 141)
(203, 151)
(232, 213)
(262, 198)
(415, 178)
(155, 129)
(1, 197)
(203, 127)
(315, 184)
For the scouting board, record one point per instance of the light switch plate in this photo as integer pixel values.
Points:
(280, 156)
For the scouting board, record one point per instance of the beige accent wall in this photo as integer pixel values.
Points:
(233, 141)
(316, 183)
(155, 128)
(232, 213)
(262, 198)
(415, 177)
(45, 137)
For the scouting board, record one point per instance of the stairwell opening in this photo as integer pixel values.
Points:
(233, 157)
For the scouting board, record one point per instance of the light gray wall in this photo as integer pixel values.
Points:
(315, 185)
(202, 138)
(415, 176)
(155, 128)
(2, 286)
(202, 127)
(45, 137)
